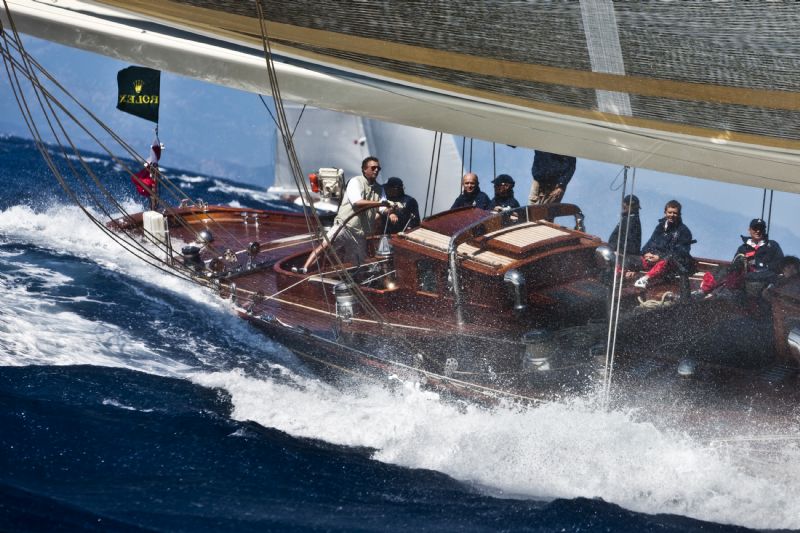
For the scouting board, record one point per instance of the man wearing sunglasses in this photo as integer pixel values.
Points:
(362, 195)
(757, 261)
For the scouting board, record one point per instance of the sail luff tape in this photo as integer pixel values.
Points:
(605, 52)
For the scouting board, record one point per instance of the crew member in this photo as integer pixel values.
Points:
(758, 260)
(405, 214)
(349, 233)
(503, 194)
(471, 195)
(668, 249)
(551, 174)
(630, 228)
(790, 267)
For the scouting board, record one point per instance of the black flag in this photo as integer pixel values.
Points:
(139, 92)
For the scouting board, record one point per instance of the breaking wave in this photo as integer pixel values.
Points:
(56, 271)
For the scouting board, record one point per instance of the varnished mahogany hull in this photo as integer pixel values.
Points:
(729, 348)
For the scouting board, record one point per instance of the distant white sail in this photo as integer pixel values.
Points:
(324, 138)
(432, 177)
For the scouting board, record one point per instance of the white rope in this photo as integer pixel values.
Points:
(667, 299)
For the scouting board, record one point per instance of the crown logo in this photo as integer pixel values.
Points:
(137, 86)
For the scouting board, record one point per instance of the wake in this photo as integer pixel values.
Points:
(564, 449)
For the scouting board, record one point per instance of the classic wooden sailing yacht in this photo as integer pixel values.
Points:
(474, 304)
(528, 320)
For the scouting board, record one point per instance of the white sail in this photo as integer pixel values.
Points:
(324, 138)
(649, 101)
(430, 169)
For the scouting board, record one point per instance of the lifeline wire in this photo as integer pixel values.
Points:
(616, 293)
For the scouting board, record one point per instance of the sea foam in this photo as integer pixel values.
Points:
(561, 449)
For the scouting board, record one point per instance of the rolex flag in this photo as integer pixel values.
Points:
(139, 92)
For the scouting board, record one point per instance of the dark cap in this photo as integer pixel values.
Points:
(631, 200)
(503, 178)
(394, 182)
(758, 223)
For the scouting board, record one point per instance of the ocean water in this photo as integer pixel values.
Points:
(131, 400)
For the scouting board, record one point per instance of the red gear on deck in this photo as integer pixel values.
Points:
(657, 269)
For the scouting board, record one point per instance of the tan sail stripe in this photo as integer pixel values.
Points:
(245, 27)
(618, 120)
(210, 21)
(514, 70)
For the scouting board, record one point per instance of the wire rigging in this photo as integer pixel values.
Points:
(19, 66)
(615, 291)
(313, 219)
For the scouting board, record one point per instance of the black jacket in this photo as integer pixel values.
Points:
(409, 214)
(509, 202)
(763, 262)
(673, 241)
(553, 169)
(633, 237)
(476, 199)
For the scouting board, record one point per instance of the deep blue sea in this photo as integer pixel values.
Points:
(134, 401)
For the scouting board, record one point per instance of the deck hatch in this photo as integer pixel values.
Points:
(439, 242)
(525, 237)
